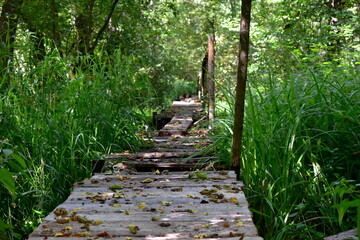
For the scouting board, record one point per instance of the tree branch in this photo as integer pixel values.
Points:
(102, 29)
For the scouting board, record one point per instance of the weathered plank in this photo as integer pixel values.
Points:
(153, 154)
(351, 234)
(159, 205)
(181, 122)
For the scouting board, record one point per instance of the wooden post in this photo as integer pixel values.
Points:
(210, 76)
(241, 86)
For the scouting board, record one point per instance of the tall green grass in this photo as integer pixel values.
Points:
(300, 157)
(54, 118)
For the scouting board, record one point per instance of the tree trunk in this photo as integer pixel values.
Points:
(204, 70)
(104, 26)
(210, 76)
(241, 86)
(8, 26)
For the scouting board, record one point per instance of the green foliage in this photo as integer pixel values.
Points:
(300, 135)
(55, 118)
(301, 129)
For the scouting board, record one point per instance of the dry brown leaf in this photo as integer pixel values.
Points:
(81, 234)
(164, 224)
(223, 172)
(103, 234)
(94, 181)
(226, 225)
(60, 212)
(62, 220)
(231, 234)
(83, 219)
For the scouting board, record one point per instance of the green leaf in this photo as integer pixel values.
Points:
(113, 187)
(358, 220)
(344, 205)
(202, 175)
(4, 226)
(6, 178)
(19, 159)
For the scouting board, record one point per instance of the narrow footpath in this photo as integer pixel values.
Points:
(159, 193)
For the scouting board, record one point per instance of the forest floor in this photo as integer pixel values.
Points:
(166, 191)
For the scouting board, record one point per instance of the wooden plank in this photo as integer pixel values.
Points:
(189, 159)
(181, 139)
(176, 202)
(177, 148)
(171, 175)
(153, 154)
(166, 183)
(344, 235)
(171, 132)
(159, 237)
(164, 165)
(120, 229)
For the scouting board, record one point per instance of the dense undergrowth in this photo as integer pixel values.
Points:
(300, 150)
(54, 118)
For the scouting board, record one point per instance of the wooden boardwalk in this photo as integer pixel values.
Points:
(158, 204)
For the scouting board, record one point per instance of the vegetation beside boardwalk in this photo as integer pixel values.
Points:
(72, 90)
(300, 154)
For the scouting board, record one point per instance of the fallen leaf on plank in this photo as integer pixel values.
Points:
(103, 234)
(60, 212)
(114, 187)
(164, 224)
(202, 175)
(239, 224)
(155, 218)
(166, 203)
(148, 180)
(133, 229)
(82, 234)
(200, 236)
(97, 222)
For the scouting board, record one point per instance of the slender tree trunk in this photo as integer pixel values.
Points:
(204, 70)
(104, 26)
(210, 76)
(8, 26)
(241, 85)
